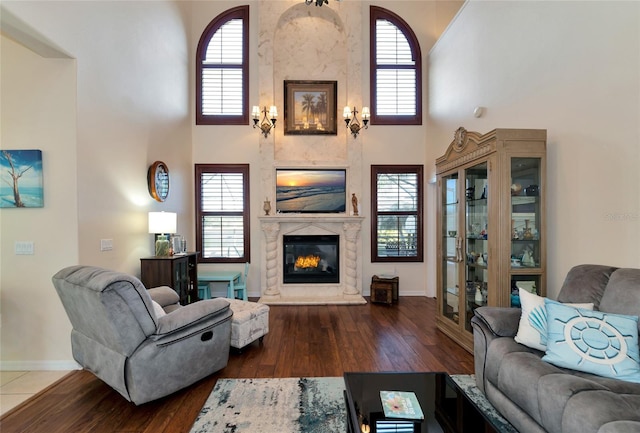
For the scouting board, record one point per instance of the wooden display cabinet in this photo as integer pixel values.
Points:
(491, 224)
(180, 272)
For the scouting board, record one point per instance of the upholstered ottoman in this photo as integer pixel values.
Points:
(250, 321)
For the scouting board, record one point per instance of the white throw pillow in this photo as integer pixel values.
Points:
(158, 309)
(532, 330)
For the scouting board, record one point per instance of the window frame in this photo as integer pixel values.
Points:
(240, 12)
(376, 13)
(201, 169)
(417, 169)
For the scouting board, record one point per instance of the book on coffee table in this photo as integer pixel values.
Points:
(401, 404)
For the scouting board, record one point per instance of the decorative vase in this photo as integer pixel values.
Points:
(266, 207)
(478, 297)
(162, 246)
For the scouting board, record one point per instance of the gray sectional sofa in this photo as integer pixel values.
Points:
(537, 396)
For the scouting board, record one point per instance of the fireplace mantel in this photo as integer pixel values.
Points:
(347, 291)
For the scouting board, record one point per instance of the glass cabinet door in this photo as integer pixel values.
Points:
(451, 246)
(526, 220)
(477, 250)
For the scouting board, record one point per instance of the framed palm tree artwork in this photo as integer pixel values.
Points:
(310, 107)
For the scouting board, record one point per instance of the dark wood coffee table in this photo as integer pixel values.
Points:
(446, 408)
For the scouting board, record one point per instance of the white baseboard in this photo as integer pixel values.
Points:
(39, 365)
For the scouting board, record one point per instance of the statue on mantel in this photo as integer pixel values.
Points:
(266, 206)
(354, 202)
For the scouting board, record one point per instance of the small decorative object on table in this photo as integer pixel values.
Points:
(354, 202)
(532, 191)
(266, 206)
(401, 404)
(516, 189)
(471, 193)
(527, 258)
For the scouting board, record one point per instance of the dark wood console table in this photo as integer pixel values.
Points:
(180, 272)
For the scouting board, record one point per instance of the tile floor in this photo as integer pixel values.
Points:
(18, 386)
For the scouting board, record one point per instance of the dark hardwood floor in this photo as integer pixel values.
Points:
(303, 341)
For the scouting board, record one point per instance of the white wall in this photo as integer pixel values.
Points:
(572, 68)
(38, 112)
(129, 105)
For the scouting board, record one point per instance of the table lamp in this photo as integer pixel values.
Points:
(162, 224)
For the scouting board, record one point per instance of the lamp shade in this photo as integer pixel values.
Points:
(162, 222)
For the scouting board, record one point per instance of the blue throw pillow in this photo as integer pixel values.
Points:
(595, 342)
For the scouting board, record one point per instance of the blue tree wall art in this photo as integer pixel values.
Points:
(21, 178)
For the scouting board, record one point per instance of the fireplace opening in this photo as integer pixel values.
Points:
(311, 259)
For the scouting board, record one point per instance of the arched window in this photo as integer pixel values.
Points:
(222, 65)
(396, 70)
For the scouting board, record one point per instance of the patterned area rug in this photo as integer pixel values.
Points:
(467, 383)
(290, 405)
(297, 405)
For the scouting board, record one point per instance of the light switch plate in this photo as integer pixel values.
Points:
(24, 247)
(106, 244)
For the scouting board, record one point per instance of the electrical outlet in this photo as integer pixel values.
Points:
(24, 247)
(106, 244)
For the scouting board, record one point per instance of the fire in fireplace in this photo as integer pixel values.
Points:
(307, 262)
(311, 259)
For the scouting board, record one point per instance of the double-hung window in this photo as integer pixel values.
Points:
(396, 70)
(397, 212)
(222, 213)
(222, 65)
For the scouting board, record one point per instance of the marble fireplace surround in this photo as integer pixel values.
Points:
(347, 291)
(300, 42)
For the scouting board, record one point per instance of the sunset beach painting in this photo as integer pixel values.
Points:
(310, 190)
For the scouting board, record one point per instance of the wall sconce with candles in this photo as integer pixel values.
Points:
(162, 224)
(268, 120)
(352, 122)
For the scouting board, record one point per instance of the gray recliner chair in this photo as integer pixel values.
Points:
(139, 351)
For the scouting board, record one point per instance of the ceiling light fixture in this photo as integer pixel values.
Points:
(317, 2)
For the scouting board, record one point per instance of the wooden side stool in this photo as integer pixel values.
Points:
(384, 290)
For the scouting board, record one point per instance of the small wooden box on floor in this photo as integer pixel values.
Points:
(384, 290)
